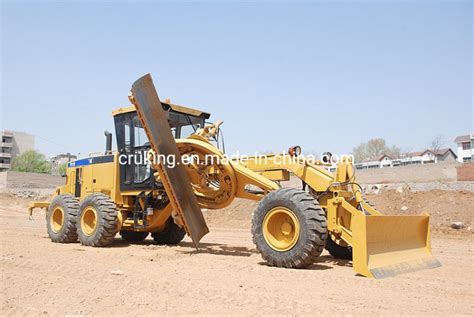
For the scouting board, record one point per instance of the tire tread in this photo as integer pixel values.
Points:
(106, 227)
(312, 218)
(70, 206)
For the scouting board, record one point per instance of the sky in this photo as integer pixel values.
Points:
(325, 75)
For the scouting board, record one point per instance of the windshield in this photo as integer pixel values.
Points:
(183, 125)
(132, 140)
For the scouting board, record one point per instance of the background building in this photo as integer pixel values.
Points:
(428, 156)
(13, 143)
(380, 162)
(421, 157)
(465, 147)
(445, 155)
(60, 159)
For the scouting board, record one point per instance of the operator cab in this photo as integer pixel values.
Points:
(133, 143)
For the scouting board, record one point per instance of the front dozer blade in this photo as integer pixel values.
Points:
(174, 178)
(385, 246)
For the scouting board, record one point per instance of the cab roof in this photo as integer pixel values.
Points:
(167, 106)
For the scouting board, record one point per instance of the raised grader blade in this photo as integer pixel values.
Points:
(174, 179)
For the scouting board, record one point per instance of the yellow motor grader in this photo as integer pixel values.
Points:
(164, 193)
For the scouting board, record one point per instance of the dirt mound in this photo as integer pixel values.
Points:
(444, 207)
(237, 215)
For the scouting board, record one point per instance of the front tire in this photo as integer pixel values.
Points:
(61, 219)
(133, 236)
(338, 251)
(171, 235)
(289, 228)
(97, 221)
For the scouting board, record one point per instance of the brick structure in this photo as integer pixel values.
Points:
(465, 172)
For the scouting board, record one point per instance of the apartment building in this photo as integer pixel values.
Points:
(465, 147)
(12, 144)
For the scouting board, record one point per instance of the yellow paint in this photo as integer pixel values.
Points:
(175, 107)
(233, 178)
(314, 174)
(89, 221)
(57, 219)
(37, 204)
(390, 245)
(276, 175)
(123, 110)
(281, 229)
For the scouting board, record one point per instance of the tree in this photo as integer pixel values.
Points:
(62, 169)
(436, 143)
(373, 149)
(31, 161)
(394, 152)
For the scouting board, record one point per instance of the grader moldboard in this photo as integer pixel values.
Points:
(104, 195)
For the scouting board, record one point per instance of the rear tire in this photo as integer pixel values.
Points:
(61, 219)
(282, 216)
(97, 221)
(171, 235)
(134, 236)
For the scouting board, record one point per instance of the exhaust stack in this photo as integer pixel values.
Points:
(108, 142)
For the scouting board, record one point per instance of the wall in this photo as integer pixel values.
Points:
(30, 180)
(3, 179)
(415, 173)
(466, 172)
(431, 172)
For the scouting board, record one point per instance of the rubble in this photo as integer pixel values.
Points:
(25, 193)
(403, 188)
(372, 189)
(457, 225)
(423, 187)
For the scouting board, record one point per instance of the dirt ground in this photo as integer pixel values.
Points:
(226, 276)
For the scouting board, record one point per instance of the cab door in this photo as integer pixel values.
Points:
(78, 182)
(133, 145)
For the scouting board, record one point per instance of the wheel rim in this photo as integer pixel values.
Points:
(281, 229)
(89, 221)
(57, 219)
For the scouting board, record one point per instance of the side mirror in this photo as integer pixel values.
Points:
(326, 158)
